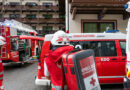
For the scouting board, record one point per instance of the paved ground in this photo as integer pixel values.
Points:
(20, 78)
(23, 78)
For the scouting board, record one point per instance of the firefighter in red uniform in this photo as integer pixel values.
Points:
(53, 67)
(2, 42)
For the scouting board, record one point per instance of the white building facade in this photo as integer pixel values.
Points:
(91, 16)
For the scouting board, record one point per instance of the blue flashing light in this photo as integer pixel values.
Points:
(126, 6)
(10, 23)
(112, 31)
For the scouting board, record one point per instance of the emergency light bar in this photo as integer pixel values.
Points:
(18, 25)
(112, 31)
(127, 7)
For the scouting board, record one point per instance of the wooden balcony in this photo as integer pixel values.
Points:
(24, 8)
(99, 7)
(38, 20)
(10, 8)
(99, 2)
(41, 21)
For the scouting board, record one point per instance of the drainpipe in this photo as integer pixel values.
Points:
(67, 15)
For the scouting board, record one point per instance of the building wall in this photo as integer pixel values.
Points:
(38, 14)
(75, 25)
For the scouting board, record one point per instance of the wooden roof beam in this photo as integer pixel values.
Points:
(74, 13)
(102, 13)
(92, 8)
(70, 1)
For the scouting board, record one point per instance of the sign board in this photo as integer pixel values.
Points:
(86, 70)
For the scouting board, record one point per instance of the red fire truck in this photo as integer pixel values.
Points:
(18, 48)
(109, 51)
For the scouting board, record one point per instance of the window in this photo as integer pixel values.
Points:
(47, 28)
(62, 28)
(12, 16)
(62, 16)
(123, 47)
(19, 32)
(14, 3)
(1, 3)
(47, 16)
(1, 15)
(31, 4)
(14, 44)
(92, 27)
(34, 27)
(31, 16)
(89, 27)
(47, 4)
(101, 48)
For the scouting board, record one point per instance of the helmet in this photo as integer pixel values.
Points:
(60, 38)
(2, 40)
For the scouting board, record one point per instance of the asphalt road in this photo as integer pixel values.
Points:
(23, 78)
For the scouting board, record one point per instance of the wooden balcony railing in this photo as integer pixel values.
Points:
(99, 7)
(41, 20)
(101, 1)
(28, 8)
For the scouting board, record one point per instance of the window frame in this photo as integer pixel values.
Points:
(1, 15)
(1, 3)
(62, 16)
(15, 16)
(34, 27)
(97, 21)
(47, 4)
(97, 41)
(31, 4)
(14, 3)
(46, 27)
(28, 16)
(121, 48)
(46, 16)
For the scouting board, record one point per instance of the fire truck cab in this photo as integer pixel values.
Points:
(110, 55)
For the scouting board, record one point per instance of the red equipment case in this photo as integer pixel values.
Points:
(80, 70)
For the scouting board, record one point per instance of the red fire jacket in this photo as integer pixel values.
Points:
(1, 75)
(55, 67)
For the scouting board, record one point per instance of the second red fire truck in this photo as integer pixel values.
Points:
(21, 41)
